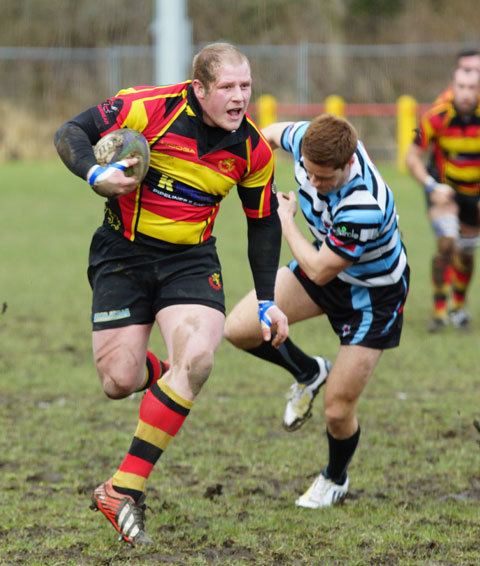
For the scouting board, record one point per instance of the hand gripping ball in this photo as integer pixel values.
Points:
(121, 144)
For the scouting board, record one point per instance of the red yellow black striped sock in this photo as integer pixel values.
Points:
(162, 413)
(155, 368)
(441, 273)
(462, 271)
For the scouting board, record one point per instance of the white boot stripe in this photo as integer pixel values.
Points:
(134, 532)
(129, 522)
(125, 510)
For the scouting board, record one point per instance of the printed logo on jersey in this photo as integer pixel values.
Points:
(165, 182)
(108, 111)
(226, 165)
(177, 147)
(346, 231)
(215, 282)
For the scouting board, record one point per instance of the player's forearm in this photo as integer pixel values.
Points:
(416, 165)
(75, 149)
(308, 256)
(273, 133)
(264, 243)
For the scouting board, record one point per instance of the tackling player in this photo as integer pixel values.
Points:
(154, 260)
(452, 129)
(355, 272)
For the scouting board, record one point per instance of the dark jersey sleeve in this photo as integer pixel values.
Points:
(264, 241)
(75, 138)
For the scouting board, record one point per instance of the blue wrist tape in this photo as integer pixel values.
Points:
(99, 170)
(263, 307)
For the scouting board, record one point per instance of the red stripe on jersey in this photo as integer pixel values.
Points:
(254, 213)
(155, 413)
(134, 465)
(169, 208)
(462, 163)
(340, 244)
(127, 211)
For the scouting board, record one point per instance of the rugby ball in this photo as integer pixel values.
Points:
(121, 144)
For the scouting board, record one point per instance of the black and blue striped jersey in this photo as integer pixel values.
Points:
(358, 221)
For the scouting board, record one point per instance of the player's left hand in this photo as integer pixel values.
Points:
(274, 323)
(287, 205)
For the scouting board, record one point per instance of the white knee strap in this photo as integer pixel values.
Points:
(446, 226)
(468, 245)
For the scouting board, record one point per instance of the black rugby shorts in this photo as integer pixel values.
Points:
(132, 282)
(363, 316)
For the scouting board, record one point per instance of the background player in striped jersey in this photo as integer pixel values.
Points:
(356, 273)
(468, 60)
(154, 260)
(452, 128)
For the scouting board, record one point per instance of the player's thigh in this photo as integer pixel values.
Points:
(350, 373)
(292, 298)
(126, 346)
(436, 211)
(242, 322)
(190, 330)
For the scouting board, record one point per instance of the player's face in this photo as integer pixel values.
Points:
(469, 63)
(325, 179)
(466, 90)
(225, 102)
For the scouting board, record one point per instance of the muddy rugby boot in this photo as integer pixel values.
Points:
(459, 318)
(437, 324)
(126, 516)
(323, 493)
(301, 397)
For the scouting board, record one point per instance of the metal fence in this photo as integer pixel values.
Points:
(50, 84)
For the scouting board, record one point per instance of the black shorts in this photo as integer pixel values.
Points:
(468, 208)
(363, 316)
(132, 282)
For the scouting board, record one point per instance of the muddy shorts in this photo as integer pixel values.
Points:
(363, 316)
(132, 282)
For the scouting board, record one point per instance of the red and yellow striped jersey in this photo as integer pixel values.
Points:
(455, 139)
(192, 167)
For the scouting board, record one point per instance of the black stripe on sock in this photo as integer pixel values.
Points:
(144, 450)
(167, 401)
(128, 491)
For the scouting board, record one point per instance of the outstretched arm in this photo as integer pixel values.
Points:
(264, 240)
(440, 192)
(273, 133)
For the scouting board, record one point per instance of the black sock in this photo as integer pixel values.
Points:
(340, 453)
(132, 492)
(302, 367)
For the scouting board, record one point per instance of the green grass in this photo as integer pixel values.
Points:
(223, 493)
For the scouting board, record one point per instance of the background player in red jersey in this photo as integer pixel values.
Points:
(468, 60)
(452, 128)
(154, 259)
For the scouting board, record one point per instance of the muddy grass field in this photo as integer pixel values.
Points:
(224, 491)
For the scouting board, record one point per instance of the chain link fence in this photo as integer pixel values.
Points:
(43, 86)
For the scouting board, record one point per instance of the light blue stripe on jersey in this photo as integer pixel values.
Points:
(358, 221)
